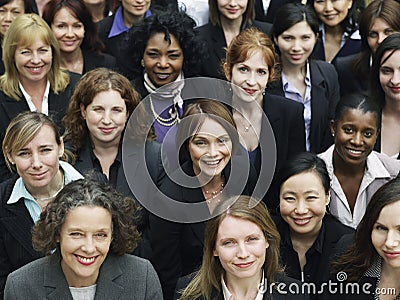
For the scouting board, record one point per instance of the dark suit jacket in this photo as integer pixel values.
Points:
(93, 60)
(214, 37)
(15, 234)
(281, 294)
(10, 108)
(84, 164)
(274, 6)
(120, 277)
(349, 80)
(178, 247)
(324, 97)
(286, 119)
(378, 145)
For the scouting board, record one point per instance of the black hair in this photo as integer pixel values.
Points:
(392, 44)
(359, 102)
(306, 162)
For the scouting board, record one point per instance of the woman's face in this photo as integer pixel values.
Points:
(332, 12)
(355, 136)
(303, 202)
(385, 236)
(8, 13)
(135, 8)
(163, 61)
(379, 30)
(296, 44)
(33, 62)
(251, 76)
(241, 247)
(85, 240)
(210, 149)
(389, 76)
(37, 162)
(105, 117)
(232, 9)
(69, 31)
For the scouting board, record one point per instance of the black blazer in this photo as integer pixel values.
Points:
(331, 237)
(378, 145)
(16, 224)
(324, 97)
(92, 60)
(286, 119)
(349, 80)
(178, 247)
(281, 294)
(274, 6)
(10, 108)
(214, 37)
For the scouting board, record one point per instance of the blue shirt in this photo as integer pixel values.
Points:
(19, 191)
(291, 92)
(118, 25)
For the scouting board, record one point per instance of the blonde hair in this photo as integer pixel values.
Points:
(23, 129)
(25, 30)
(208, 277)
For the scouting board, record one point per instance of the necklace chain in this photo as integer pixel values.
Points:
(55, 194)
(165, 122)
(213, 194)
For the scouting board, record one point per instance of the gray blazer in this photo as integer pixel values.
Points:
(120, 277)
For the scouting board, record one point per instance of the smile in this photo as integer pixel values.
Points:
(107, 130)
(244, 265)
(250, 91)
(162, 76)
(85, 260)
(302, 222)
(391, 255)
(212, 163)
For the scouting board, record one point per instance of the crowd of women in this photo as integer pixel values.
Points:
(145, 156)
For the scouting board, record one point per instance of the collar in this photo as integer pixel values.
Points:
(118, 25)
(346, 35)
(287, 86)
(261, 288)
(45, 102)
(374, 270)
(374, 167)
(19, 190)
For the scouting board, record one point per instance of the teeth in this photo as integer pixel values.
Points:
(86, 260)
(355, 151)
(212, 163)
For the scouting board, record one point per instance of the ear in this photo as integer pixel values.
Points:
(276, 41)
(227, 73)
(350, 4)
(332, 126)
(267, 246)
(83, 110)
(9, 157)
(328, 198)
(215, 253)
(61, 148)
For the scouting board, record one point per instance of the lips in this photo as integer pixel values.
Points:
(69, 43)
(354, 153)
(244, 265)
(35, 70)
(391, 254)
(162, 76)
(296, 56)
(330, 17)
(302, 221)
(86, 261)
(232, 11)
(250, 91)
(38, 176)
(212, 164)
(395, 90)
(106, 130)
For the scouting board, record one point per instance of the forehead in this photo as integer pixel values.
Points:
(28, 38)
(359, 118)
(108, 98)
(303, 181)
(299, 28)
(88, 217)
(211, 127)
(236, 227)
(255, 58)
(14, 4)
(394, 58)
(157, 40)
(65, 13)
(390, 214)
(379, 23)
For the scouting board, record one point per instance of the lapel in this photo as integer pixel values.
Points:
(19, 223)
(13, 107)
(271, 112)
(107, 288)
(54, 281)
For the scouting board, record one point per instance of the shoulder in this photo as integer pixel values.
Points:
(204, 29)
(6, 188)
(323, 67)
(30, 273)
(73, 80)
(334, 225)
(281, 103)
(391, 165)
(106, 23)
(263, 26)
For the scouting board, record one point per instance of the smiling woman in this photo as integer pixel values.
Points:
(85, 233)
(356, 170)
(76, 33)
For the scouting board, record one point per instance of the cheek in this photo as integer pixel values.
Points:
(285, 208)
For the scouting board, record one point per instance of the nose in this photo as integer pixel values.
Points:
(70, 31)
(381, 37)
(232, 3)
(36, 162)
(106, 117)
(88, 245)
(301, 208)
(395, 80)
(392, 239)
(328, 5)
(163, 62)
(8, 16)
(357, 139)
(251, 79)
(35, 57)
(242, 251)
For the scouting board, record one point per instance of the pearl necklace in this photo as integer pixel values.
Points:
(213, 194)
(164, 122)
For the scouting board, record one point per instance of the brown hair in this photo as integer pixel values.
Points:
(244, 45)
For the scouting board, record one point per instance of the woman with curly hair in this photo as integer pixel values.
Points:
(373, 261)
(76, 33)
(33, 80)
(338, 34)
(85, 233)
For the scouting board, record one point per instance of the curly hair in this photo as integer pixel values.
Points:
(176, 23)
(78, 9)
(92, 83)
(88, 192)
(209, 275)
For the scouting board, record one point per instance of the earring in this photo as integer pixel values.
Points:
(263, 92)
(142, 63)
